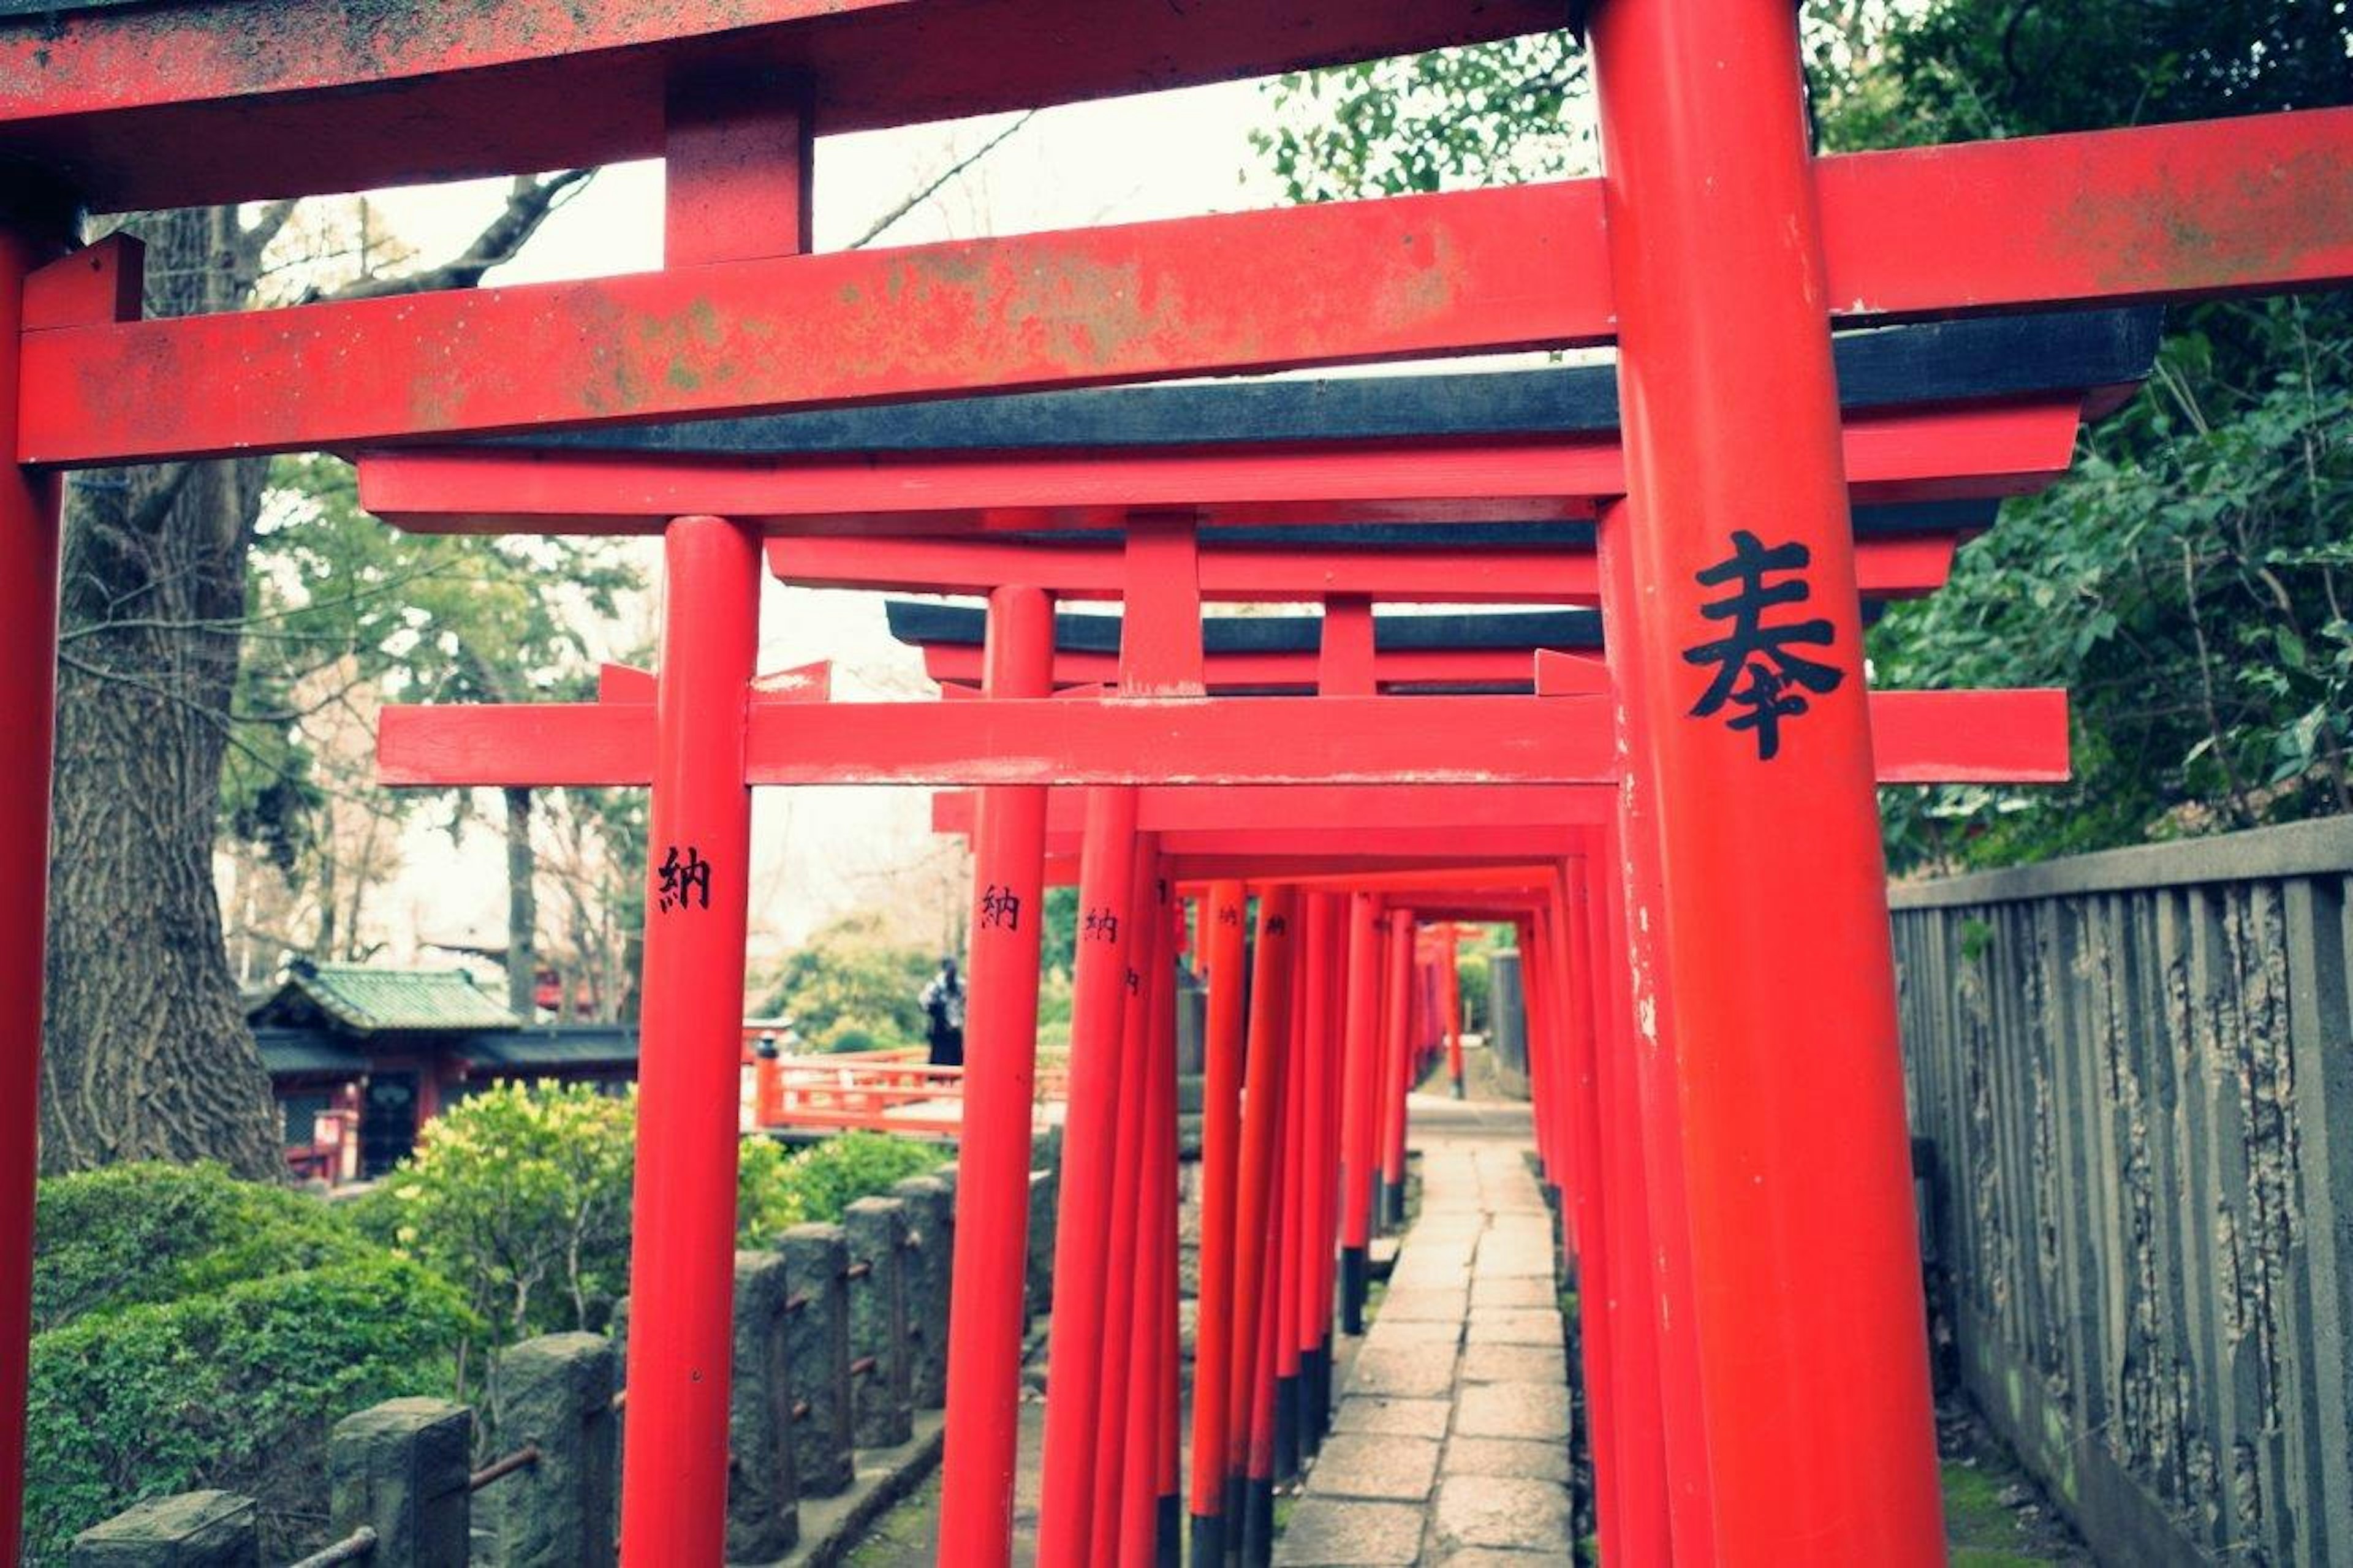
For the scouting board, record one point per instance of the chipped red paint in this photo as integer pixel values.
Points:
(1913, 234)
(218, 100)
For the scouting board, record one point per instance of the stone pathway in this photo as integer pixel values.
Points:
(1451, 1444)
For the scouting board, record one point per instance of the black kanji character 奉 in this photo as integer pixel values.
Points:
(1000, 906)
(682, 879)
(1777, 678)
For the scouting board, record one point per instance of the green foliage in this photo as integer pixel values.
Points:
(338, 600)
(819, 1179)
(849, 975)
(2189, 582)
(150, 1232)
(520, 1196)
(194, 1330)
(1482, 115)
(233, 1389)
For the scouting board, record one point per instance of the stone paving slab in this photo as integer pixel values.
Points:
(1399, 1417)
(1422, 1371)
(1514, 1326)
(1537, 1411)
(1331, 1532)
(1368, 1465)
(1426, 1306)
(1510, 1290)
(1514, 1456)
(1514, 1363)
(1451, 1444)
(1500, 1512)
(1404, 1333)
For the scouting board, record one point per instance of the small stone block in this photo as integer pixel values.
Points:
(1536, 1411)
(1360, 1465)
(1325, 1532)
(1493, 1511)
(400, 1469)
(1517, 1457)
(193, 1530)
(1393, 1417)
(555, 1393)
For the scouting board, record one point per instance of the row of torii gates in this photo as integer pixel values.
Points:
(1682, 819)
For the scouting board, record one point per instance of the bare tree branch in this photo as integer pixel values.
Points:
(932, 187)
(530, 202)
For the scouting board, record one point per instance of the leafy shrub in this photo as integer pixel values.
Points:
(152, 1232)
(767, 1200)
(520, 1195)
(826, 1178)
(235, 1388)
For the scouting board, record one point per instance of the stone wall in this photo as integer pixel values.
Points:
(838, 1342)
(2133, 1072)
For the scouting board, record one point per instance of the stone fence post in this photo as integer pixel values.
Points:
(400, 1469)
(931, 1252)
(816, 1352)
(881, 1415)
(1038, 1266)
(194, 1530)
(763, 1519)
(555, 1397)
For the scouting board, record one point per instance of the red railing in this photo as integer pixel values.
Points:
(881, 1091)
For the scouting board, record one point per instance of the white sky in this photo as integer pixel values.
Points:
(820, 852)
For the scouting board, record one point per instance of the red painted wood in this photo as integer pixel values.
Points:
(28, 655)
(1272, 972)
(987, 1310)
(1930, 737)
(1090, 1131)
(1889, 568)
(2250, 205)
(2001, 448)
(1222, 913)
(1123, 1265)
(674, 1472)
(1037, 741)
(198, 102)
(1801, 1241)
(1358, 281)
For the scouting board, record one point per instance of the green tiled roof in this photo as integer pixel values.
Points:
(372, 1001)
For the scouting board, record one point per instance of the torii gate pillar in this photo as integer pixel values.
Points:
(1771, 928)
(698, 847)
(28, 664)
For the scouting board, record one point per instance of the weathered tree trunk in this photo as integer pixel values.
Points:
(146, 1051)
(522, 910)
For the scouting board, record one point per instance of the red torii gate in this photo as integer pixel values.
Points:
(1713, 250)
(475, 488)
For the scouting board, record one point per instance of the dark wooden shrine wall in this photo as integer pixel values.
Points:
(2135, 1070)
